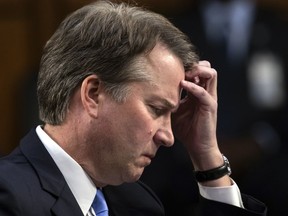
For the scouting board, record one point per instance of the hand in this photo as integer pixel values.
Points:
(194, 123)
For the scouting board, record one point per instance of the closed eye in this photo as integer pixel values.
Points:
(158, 111)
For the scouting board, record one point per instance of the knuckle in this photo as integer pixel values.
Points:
(205, 63)
(214, 73)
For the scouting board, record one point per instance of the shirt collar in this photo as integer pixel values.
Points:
(77, 179)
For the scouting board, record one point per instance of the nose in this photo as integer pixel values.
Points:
(164, 136)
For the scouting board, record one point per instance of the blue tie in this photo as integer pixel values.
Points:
(99, 204)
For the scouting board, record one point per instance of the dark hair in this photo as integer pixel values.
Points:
(106, 39)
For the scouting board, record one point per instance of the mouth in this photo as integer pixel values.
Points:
(150, 156)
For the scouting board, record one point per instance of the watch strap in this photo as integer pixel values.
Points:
(213, 174)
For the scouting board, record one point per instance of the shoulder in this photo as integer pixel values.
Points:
(13, 164)
(19, 174)
(16, 184)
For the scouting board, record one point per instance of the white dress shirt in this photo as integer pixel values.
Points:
(229, 194)
(79, 182)
(84, 189)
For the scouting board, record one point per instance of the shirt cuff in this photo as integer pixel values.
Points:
(229, 194)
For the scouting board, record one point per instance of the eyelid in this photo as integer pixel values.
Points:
(160, 110)
(163, 106)
(156, 110)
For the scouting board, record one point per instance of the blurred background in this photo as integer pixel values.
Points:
(246, 42)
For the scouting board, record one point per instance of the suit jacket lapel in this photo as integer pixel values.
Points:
(66, 204)
(132, 199)
(51, 178)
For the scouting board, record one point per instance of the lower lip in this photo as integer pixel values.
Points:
(147, 159)
(150, 158)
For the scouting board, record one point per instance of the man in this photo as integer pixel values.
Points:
(111, 77)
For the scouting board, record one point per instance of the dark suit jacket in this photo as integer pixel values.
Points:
(32, 185)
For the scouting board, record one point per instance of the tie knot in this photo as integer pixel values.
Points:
(99, 204)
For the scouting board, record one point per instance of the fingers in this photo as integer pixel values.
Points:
(196, 91)
(201, 82)
(204, 63)
(201, 70)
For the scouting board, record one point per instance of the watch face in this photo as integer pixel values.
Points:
(226, 162)
(229, 170)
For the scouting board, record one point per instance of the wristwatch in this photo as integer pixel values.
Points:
(213, 174)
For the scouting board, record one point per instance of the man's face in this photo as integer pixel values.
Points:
(133, 131)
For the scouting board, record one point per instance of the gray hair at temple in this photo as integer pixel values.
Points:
(106, 39)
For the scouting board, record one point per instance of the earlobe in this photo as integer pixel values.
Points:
(90, 88)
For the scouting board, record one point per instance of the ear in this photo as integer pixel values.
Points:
(90, 94)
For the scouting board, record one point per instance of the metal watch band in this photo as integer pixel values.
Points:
(213, 174)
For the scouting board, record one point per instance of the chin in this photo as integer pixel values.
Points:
(133, 177)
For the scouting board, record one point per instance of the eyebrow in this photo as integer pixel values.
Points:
(168, 104)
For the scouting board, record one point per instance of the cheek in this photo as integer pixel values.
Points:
(141, 124)
(128, 124)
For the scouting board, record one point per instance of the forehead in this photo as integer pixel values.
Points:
(164, 66)
(166, 72)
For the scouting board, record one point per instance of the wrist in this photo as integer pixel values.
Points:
(218, 176)
(208, 160)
